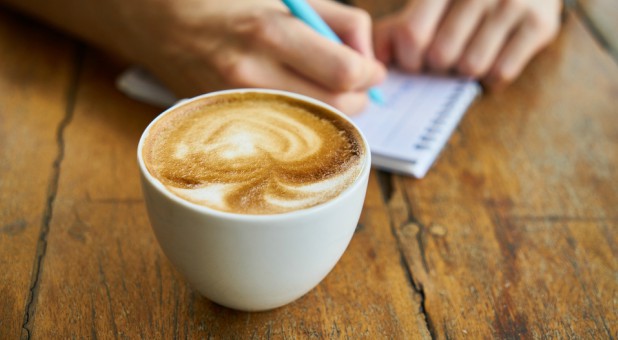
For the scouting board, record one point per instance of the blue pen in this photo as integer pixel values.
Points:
(304, 12)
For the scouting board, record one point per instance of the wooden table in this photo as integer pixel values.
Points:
(513, 233)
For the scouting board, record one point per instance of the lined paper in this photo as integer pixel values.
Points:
(408, 132)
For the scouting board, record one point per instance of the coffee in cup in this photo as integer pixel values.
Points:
(254, 153)
(253, 194)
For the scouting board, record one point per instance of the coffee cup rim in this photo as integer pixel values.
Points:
(159, 186)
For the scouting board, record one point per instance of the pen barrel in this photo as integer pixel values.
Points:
(303, 11)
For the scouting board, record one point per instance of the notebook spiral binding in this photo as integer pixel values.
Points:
(435, 128)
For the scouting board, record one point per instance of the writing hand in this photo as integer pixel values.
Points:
(197, 46)
(217, 45)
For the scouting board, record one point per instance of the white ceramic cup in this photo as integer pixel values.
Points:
(253, 262)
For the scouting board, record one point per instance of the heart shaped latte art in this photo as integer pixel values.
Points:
(254, 153)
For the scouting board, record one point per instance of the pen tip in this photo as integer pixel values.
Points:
(376, 96)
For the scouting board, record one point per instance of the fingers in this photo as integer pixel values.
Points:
(273, 49)
(382, 43)
(415, 31)
(536, 30)
(473, 37)
(484, 47)
(454, 32)
(517, 52)
(348, 102)
(331, 65)
(265, 72)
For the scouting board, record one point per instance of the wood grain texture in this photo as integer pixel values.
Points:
(514, 231)
(105, 271)
(512, 234)
(35, 82)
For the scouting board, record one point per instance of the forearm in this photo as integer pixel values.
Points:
(101, 23)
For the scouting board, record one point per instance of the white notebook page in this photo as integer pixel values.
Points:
(408, 132)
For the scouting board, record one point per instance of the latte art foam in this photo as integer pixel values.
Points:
(254, 153)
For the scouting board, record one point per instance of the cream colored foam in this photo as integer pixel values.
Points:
(254, 154)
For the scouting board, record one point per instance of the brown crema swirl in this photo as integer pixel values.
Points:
(254, 153)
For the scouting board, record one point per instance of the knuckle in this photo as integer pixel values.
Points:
(360, 18)
(236, 71)
(546, 29)
(514, 5)
(258, 26)
(552, 28)
(543, 21)
(357, 19)
(347, 75)
(413, 36)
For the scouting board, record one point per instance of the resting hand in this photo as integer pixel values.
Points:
(491, 40)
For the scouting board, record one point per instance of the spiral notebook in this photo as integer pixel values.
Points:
(405, 135)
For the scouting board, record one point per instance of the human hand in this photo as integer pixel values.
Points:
(490, 40)
(198, 46)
